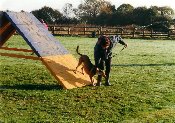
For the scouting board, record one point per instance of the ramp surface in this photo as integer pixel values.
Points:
(52, 53)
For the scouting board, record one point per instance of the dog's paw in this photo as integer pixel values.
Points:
(93, 85)
(75, 71)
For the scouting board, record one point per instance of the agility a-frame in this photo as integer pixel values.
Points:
(49, 50)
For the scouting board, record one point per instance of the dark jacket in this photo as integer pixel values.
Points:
(103, 54)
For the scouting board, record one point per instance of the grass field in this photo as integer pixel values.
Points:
(143, 91)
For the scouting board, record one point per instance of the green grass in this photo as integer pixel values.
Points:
(143, 91)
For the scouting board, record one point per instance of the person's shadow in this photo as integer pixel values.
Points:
(139, 65)
(31, 87)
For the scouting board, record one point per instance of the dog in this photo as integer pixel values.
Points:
(88, 67)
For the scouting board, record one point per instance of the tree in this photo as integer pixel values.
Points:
(166, 11)
(48, 14)
(90, 9)
(160, 13)
(140, 16)
(125, 8)
(68, 15)
(152, 14)
(105, 17)
(68, 10)
(123, 15)
(161, 18)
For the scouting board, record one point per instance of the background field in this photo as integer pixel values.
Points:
(143, 79)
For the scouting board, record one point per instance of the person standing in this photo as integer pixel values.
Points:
(103, 55)
(44, 23)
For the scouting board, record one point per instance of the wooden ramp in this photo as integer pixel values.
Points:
(62, 67)
(51, 52)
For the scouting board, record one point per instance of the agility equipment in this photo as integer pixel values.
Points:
(50, 51)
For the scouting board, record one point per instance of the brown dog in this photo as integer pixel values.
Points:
(88, 67)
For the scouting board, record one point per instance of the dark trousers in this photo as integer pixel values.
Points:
(108, 67)
(104, 64)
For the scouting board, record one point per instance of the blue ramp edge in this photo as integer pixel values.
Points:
(42, 42)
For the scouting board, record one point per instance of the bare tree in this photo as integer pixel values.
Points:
(68, 10)
(90, 9)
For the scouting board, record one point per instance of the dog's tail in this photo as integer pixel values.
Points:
(78, 51)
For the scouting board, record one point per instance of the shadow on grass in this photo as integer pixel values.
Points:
(139, 65)
(31, 87)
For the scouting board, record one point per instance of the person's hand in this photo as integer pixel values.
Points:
(126, 45)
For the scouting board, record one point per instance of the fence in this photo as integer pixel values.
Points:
(93, 31)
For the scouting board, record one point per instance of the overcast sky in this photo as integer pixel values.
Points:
(29, 5)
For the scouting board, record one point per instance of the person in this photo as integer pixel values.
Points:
(103, 55)
(45, 24)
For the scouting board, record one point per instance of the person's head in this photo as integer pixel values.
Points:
(104, 41)
(42, 21)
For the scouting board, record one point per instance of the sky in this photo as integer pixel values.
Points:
(30, 5)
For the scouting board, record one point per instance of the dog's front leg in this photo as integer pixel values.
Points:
(79, 63)
(92, 81)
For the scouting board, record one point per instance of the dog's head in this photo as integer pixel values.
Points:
(100, 72)
(97, 71)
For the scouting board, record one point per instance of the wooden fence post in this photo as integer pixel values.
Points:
(143, 31)
(84, 30)
(133, 33)
(53, 30)
(169, 34)
(101, 29)
(151, 33)
(68, 30)
(121, 33)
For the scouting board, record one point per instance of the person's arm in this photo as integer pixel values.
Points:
(114, 40)
(122, 42)
(117, 39)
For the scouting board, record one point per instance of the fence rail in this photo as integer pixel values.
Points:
(96, 30)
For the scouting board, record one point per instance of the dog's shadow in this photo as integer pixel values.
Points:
(75, 71)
